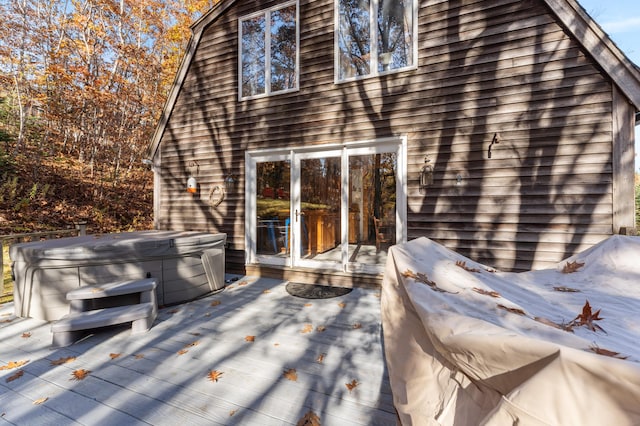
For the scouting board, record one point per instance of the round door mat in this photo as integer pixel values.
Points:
(315, 291)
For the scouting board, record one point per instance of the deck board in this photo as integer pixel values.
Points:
(160, 377)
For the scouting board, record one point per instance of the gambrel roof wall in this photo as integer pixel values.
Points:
(570, 14)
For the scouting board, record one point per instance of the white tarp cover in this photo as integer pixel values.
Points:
(467, 345)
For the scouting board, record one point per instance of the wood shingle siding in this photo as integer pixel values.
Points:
(506, 67)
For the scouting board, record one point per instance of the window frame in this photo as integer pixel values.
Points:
(266, 13)
(373, 25)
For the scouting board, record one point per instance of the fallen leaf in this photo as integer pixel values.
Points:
(40, 400)
(320, 328)
(291, 374)
(320, 358)
(463, 264)
(216, 303)
(308, 305)
(97, 290)
(63, 360)
(182, 351)
(138, 356)
(512, 310)
(308, 328)
(26, 335)
(352, 385)
(566, 289)
(79, 374)
(13, 364)
(587, 317)
(309, 419)
(114, 355)
(342, 304)
(6, 321)
(232, 412)
(250, 338)
(192, 344)
(606, 352)
(229, 287)
(571, 267)
(424, 279)
(195, 334)
(242, 283)
(267, 291)
(215, 375)
(357, 326)
(550, 323)
(276, 344)
(486, 292)
(15, 376)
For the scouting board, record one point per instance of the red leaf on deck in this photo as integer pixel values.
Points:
(40, 401)
(291, 374)
(15, 376)
(309, 419)
(79, 374)
(250, 338)
(308, 328)
(63, 360)
(215, 375)
(26, 335)
(352, 385)
(13, 364)
(215, 303)
(114, 355)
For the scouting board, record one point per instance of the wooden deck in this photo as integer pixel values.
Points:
(161, 377)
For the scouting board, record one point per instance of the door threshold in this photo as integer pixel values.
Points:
(315, 276)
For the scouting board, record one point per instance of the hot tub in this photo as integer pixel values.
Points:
(186, 264)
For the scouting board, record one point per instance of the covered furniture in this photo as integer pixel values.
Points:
(468, 345)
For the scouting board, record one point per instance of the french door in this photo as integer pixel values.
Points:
(335, 208)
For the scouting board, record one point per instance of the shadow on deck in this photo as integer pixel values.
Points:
(278, 358)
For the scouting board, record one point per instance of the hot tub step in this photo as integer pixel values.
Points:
(112, 294)
(72, 327)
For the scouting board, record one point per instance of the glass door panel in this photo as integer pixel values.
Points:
(273, 206)
(372, 208)
(320, 201)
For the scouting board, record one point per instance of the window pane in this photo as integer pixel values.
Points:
(283, 49)
(320, 196)
(272, 220)
(253, 59)
(354, 41)
(395, 37)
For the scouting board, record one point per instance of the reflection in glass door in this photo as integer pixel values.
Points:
(320, 202)
(372, 208)
(273, 205)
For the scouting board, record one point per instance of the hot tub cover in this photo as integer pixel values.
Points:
(467, 345)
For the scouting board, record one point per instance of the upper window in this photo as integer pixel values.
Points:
(268, 52)
(374, 37)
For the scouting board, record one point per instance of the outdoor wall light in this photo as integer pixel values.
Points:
(229, 183)
(192, 185)
(426, 174)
